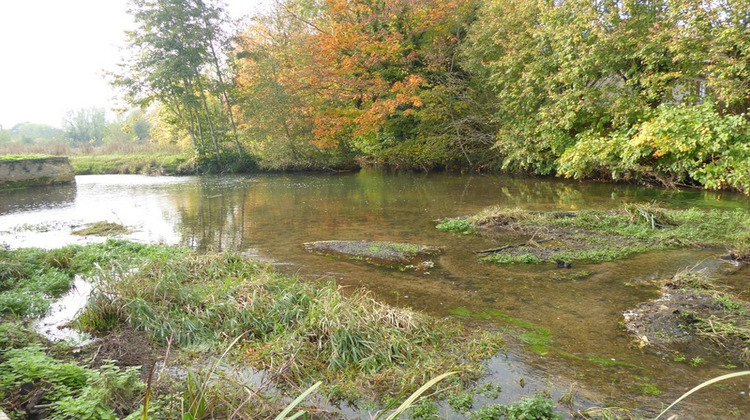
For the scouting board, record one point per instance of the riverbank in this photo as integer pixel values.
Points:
(165, 320)
(137, 163)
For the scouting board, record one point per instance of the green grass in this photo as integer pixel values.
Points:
(595, 236)
(30, 278)
(102, 229)
(133, 163)
(457, 226)
(69, 389)
(11, 158)
(297, 332)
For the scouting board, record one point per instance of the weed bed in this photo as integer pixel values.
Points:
(593, 236)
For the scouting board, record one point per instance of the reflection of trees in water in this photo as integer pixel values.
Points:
(24, 199)
(211, 217)
(280, 211)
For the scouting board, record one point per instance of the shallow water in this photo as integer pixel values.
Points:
(271, 216)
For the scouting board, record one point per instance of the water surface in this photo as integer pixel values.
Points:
(271, 216)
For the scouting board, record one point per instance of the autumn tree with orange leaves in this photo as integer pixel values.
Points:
(375, 78)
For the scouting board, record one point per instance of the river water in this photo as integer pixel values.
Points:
(270, 216)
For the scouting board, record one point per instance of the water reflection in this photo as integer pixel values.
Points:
(34, 198)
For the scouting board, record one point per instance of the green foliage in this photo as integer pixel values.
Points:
(457, 226)
(425, 409)
(532, 408)
(461, 402)
(631, 90)
(177, 58)
(72, 391)
(680, 144)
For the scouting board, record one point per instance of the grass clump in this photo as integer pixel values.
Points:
(594, 236)
(294, 330)
(457, 226)
(102, 229)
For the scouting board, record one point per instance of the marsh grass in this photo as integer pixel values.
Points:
(297, 331)
(593, 236)
(102, 229)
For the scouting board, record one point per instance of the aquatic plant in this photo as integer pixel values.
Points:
(64, 389)
(537, 407)
(593, 236)
(102, 229)
(457, 226)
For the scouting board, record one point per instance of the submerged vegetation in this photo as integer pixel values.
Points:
(189, 305)
(388, 254)
(592, 236)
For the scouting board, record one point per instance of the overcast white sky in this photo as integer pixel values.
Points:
(53, 54)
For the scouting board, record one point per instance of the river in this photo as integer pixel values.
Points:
(270, 216)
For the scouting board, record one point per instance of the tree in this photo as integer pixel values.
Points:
(376, 78)
(86, 126)
(176, 53)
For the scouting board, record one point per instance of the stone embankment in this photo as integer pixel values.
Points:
(18, 173)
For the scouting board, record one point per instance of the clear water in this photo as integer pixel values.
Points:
(271, 216)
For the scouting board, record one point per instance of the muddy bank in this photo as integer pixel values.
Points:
(386, 254)
(695, 321)
(19, 173)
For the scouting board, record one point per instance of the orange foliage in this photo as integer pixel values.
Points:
(361, 62)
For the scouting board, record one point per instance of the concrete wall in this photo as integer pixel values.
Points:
(30, 172)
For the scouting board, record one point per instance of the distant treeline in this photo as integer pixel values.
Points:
(643, 90)
(85, 127)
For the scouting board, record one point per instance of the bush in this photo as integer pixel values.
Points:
(679, 144)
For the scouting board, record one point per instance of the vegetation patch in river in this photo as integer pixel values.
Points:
(593, 236)
(693, 313)
(102, 229)
(386, 254)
